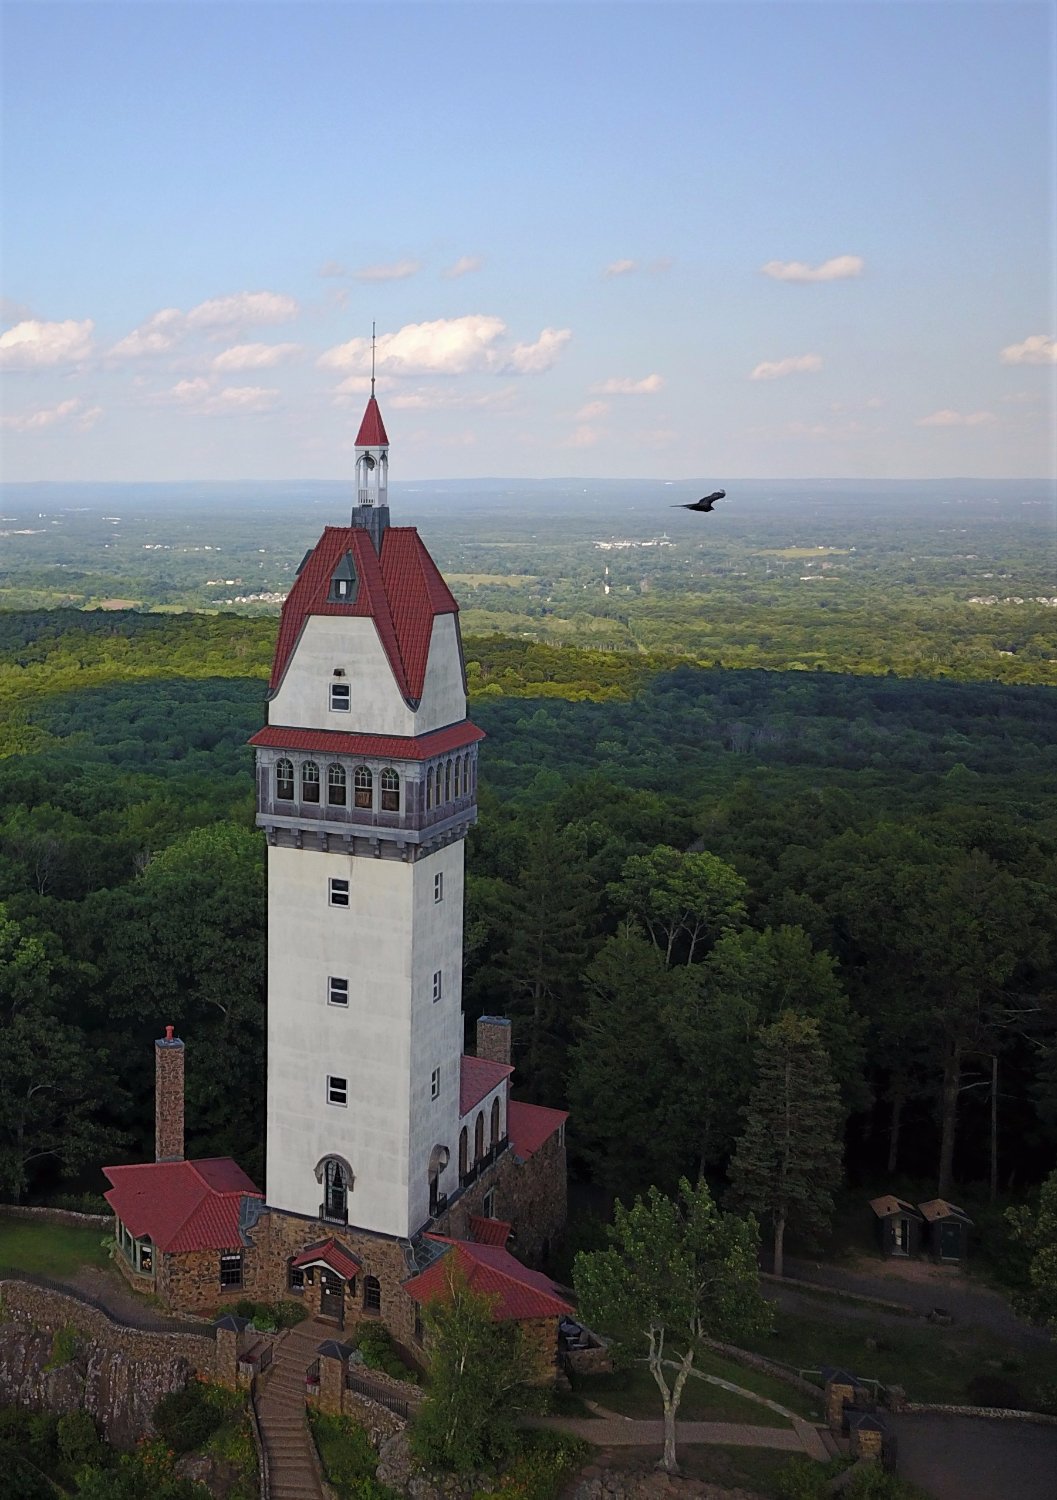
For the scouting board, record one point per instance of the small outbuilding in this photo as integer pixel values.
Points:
(898, 1225)
(946, 1230)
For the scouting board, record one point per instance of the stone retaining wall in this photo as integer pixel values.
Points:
(378, 1422)
(55, 1215)
(999, 1413)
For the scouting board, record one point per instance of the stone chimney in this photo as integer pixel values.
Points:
(168, 1098)
(494, 1039)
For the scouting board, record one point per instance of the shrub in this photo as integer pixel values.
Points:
(349, 1461)
(245, 1308)
(376, 1346)
(187, 1419)
(64, 1346)
(540, 1469)
(804, 1478)
(289, 1313)
(78, 1440)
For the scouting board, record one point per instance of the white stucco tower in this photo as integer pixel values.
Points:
(366, 786)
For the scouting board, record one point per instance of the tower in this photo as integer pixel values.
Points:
(366, 787)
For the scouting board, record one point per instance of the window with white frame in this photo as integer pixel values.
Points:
(489, 1204)
(336, 786)
(231, 1269)
(340, 697)
(337, 991)
(309, 781)
(339, 892)
(438, 887)
(390, 780)
(434, 1084)
(284, 779)
(337, 1090)
(438, 985)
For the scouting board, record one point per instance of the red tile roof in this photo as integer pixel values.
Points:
(381, 746)
(516, 1292)
(332, 1255)
(529, 1125)
(489, 1231)
(477, 1078)
(401, 591)
(181, 1205)
(372, 428)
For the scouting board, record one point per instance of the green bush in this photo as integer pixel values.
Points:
(349, 1461)
(187, 1419)
(540, 1469)
(65, 1343)
(803, 1478)
(78, 1440)
(289, 1313)
(376, 1345)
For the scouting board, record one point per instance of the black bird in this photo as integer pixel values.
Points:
(705, 503)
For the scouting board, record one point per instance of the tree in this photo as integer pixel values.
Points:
(693, 896)
(1037, 1233)
(678, 1270)
(787, 1163)
(477, 1387)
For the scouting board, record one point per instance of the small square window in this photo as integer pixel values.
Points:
(337, 991)
(438, 985)
(340, 697)
(231, 1270)
(337, 1090)
(438, 887)
(339, 893)
(434, 1084)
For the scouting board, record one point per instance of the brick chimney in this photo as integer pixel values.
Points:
(168, 1098)
(494, 1039)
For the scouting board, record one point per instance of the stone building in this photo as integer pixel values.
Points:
(387, 1147)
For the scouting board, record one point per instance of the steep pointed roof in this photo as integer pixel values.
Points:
(372, 432)
(401, 591)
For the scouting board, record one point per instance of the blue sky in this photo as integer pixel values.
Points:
(655, 240)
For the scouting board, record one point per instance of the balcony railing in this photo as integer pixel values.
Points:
(483, 1162)
(333, 1215)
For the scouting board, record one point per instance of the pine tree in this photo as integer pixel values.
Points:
(787, 1162)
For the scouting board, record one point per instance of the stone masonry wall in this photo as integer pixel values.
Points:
(531, 1195)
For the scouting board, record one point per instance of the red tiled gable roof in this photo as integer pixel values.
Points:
(489, 1231)
(381, 746)
(401, 591)
(516, 1292)
(332, 1255)
(477, 1078)
(372, 428)
(529, 1125)
(181, 1205)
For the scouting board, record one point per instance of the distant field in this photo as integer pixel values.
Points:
(802, 551)
(513, 580)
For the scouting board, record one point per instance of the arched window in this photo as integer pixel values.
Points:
(464, 1165)
(429, 788)
(284, 779)
(390, 790)
(458, 777)
(447, 781)
(336, 786)
(309, 782)
(495, 1123)
(478, 1136)
(372, 1294)
(363, 787)
(335, 1190)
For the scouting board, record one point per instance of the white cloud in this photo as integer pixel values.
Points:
(620, 268)
(243, 308)
(1039, 349)
(448, 346)
(48, 416)
(649, 385)
(33, 345)
(434, 398)
(463, 266)
(794, 365)
(242, 398)
(584, 436)
(332, 268)
(189, 390)
(592, 411)
(360, 385)
(947, 418)
(399, 271)
(157, 335)
(254, 356)
(837, 269)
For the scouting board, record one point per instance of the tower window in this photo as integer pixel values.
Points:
(438, 887)
(231, 1270)
(337, 991)
(336, 786)
(434, 1084)
(447, 782)
(340, 697)
(438, 982)
(458, 775)
(495, 1124)
(390, 790)
(339, 893)
(337, 1090)
(363, 787)
(429, 788)
(309, 782)
(335, 1190)
(284, 779)
(478, 1136)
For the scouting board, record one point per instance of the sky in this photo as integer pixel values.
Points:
(660, 240)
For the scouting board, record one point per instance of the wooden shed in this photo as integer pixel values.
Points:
(946, 1230)
(898, 1225)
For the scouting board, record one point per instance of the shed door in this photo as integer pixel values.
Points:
(951, 1240)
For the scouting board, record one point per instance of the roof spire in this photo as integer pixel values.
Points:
(372, 357)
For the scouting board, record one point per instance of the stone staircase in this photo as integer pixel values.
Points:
(292, 1468)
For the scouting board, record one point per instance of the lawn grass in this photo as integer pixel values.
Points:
(753, 1469)
(50, 1249)
(755, 1380)
(634, 1393)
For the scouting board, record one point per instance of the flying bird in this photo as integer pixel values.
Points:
(705, 503)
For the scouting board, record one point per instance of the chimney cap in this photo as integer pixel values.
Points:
(169, 1039)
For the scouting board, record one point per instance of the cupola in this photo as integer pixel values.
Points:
(371, 510)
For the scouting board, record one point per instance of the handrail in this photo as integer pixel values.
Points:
(264, 1476)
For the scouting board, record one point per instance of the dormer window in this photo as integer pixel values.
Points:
(344, 583)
